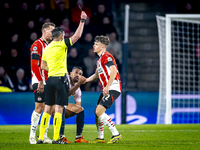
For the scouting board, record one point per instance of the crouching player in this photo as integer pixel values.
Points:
(75, 80)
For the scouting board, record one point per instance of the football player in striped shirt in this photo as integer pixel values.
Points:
(39, 78)
(109, 78)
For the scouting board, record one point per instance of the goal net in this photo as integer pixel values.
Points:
(179, 87)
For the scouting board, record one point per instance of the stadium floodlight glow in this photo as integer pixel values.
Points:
(179, 47)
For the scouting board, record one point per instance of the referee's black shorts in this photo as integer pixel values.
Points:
(57, 91)
(106, 101)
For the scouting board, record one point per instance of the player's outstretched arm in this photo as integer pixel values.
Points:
(79, 30)
(76, 86)
(92, 77)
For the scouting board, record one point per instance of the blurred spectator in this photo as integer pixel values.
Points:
(107, 26)
(11, 26)
(2, 57)
(5, 78)
(73, 60)
(97, 18)
(30, 28)
(6, 10)
(21, 84)
(61, 12)
(86, 44)
(25, 13)
(90, 62)
(76, 12)
(65, 26)
(88, 27)
(17, 43)
(14, 62)
(26, 48)
(3, 87)
(116, 45)
(41, 13)
(111, 51)
(54, 4)
(47, 20)
(188, 7)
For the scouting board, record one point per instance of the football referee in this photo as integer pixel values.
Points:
(57, 87)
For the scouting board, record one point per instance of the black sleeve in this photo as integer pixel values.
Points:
(109, 63)
(35, 56)
(67, 41)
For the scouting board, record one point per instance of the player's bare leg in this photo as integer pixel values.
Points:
(71, 110)
(104, 119)
(100, 125)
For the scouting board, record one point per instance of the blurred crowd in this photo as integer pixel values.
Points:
(21, 23)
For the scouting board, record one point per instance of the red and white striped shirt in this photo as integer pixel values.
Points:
(37, 74)
(104, 72)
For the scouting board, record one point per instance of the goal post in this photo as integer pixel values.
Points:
(179, 98)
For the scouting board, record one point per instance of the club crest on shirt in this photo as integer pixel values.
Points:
(39, 98)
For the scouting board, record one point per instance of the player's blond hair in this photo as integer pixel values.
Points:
(103, 39)
(47, 25)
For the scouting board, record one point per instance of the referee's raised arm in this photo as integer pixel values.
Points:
(79, 30)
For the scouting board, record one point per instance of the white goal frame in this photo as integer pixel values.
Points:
(169, 18)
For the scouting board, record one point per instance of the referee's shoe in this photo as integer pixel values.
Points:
(58, 142)
(40, 141)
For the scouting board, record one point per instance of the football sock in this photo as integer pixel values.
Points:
(79, 124)
(43, 124)
(62, 128)
(46, 131)
(100, 128)
(34, 123)
(108, 121)
(56, 124)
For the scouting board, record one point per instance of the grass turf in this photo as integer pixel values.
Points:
(137, 137)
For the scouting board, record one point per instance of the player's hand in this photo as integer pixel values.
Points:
(40, 88)
(83, 15)
(82, 80)
(106, 91)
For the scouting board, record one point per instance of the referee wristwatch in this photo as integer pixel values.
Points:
(82, 20)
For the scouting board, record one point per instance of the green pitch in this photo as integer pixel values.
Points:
(134, 137)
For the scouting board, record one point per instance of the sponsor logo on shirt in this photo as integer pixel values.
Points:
(99, 70)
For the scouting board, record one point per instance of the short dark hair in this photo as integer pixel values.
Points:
(103, 39)
(77, 67)
(47, 25)
(56, 32)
